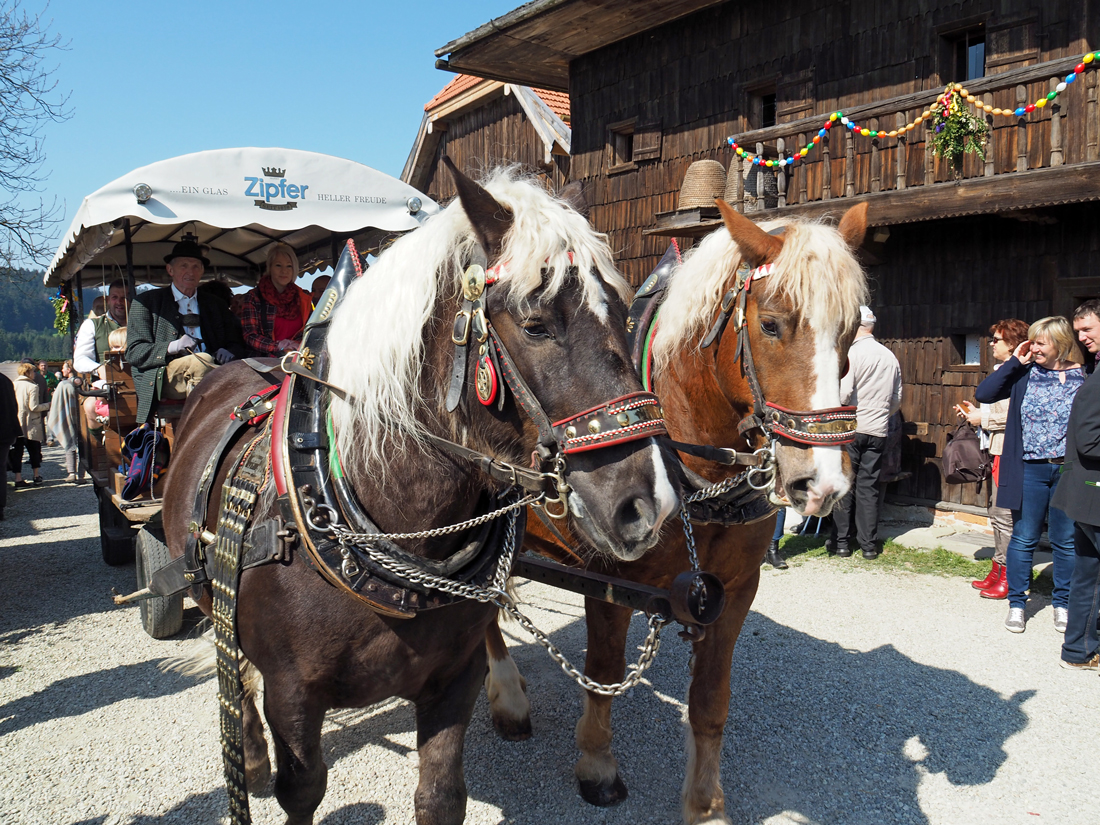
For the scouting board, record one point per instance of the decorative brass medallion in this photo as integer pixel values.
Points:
(485, 381)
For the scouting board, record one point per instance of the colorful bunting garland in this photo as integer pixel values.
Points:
(840, 118)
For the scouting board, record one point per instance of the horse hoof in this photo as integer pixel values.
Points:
(258, 779)
(603, 794)
(513, 730)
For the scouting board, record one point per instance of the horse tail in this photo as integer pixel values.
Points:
(199, 661)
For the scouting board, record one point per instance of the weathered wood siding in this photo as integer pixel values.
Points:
(931, 280)
(959, 277)
(694, 78)
(489, 136)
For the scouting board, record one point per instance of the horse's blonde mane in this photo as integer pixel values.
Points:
(815, 272)
(377, 337)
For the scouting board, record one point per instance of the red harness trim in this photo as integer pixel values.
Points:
(646, 421)
(835, 425)
(278, 443)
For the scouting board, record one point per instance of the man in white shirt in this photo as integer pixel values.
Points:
(91, 339)
(873, 384)
(177, 335)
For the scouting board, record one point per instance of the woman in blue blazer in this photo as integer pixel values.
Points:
(1040, 379)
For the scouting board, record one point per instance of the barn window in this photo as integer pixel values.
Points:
(761, 105)
(620, 146)
(630, 142)
(968, 48)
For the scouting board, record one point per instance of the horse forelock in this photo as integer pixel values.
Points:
(377, 339)
(815, 273)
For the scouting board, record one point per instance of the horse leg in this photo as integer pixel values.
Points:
(704, 802)
(257, 765)
(597, 771)
(302, 775)
(441, 723)
(506, 688)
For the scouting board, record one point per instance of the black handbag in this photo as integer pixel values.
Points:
(964, 460)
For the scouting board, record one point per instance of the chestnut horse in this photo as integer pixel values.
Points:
(555, 304)
(800, 318)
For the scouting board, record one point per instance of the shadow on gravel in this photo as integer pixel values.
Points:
(823, 733)
(198, 807)
(361, 813)
(51, 582)
(80, 694)
(355, 732)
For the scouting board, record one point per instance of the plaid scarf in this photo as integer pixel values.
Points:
(287, 303)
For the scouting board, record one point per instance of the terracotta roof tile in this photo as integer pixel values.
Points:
(458, 85)
(557, 101)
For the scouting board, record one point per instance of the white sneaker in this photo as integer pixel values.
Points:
(1015, 622)
(1061, 619)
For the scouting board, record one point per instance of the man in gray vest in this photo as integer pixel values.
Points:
(91, 339)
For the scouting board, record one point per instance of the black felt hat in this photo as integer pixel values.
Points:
(187, 249)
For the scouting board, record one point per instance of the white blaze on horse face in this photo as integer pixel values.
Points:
(829, 479)
(664, 494)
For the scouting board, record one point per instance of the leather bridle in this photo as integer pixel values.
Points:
(831, 426)
(620, 420)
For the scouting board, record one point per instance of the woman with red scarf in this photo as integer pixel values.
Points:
(275, 312)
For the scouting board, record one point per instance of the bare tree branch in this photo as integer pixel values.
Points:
(29, 99)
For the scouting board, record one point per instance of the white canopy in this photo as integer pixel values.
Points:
(238, 202)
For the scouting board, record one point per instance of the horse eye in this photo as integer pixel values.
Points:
(770, 327)
(535, 329)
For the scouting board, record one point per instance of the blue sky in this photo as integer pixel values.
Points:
(153, 80)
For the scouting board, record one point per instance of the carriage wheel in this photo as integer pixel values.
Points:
(161, 616)
(116, 536)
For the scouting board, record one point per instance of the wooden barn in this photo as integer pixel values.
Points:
(655, 86)
(481, 123)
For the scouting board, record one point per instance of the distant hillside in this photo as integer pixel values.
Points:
(26, 319)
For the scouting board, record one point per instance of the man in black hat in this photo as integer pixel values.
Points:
(177, 335)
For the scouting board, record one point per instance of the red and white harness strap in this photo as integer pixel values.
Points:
(836, 425)
(623, 419)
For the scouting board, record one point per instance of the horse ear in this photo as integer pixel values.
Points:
(573, 194)
(757, 246)
(853, 226)
(490, 219)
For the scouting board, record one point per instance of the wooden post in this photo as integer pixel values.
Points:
(929, 157)
(760, 178)
(746, 206)
(903, 144)
(128, 277)
(739, 196)
(1021, 131)
(826, 169)
(850, 165)
(781, 173)
(988, 170)
(1056, 154)
(1092, 123)
(802, 175)
(876, 159)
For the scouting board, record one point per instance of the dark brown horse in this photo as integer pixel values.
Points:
(800, 317)
(556, 306)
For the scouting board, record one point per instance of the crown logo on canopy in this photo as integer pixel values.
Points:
(274, 172)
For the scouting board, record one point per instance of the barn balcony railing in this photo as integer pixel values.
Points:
(1049, 156)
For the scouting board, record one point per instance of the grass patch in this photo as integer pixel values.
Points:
(937, 562)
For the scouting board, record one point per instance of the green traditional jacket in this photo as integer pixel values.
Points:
(155, 322)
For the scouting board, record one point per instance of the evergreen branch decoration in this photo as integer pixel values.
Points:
(956, 129)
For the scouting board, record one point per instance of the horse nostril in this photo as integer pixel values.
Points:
(799, 485)
(635, 518)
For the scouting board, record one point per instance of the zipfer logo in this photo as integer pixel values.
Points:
(264, 190)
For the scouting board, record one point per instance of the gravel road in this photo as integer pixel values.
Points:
(861, 697)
